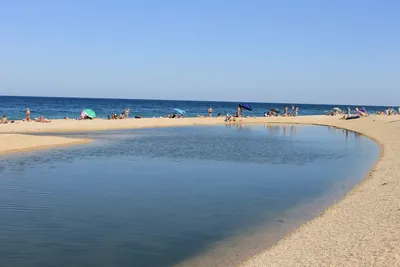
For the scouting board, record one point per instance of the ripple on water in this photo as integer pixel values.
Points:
(159, 197)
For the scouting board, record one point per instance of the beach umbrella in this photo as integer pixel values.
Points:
(88, 113)
(337, 109)
(274, 110)
(180, 111)
(246, 106)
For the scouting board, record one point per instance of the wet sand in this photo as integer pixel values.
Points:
(363, 229)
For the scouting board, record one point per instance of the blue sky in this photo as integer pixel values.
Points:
(268, 51)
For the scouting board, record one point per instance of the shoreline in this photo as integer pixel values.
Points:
(360, 229)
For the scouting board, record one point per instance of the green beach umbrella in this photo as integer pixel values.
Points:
(88, 113)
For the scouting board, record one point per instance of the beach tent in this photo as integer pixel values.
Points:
(88, 113)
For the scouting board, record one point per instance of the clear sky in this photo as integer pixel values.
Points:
(342, 52)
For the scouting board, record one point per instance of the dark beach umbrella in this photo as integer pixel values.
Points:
(246, 106)
(274, 110)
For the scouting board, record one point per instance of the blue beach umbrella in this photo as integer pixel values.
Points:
(180, 111)
(246, 106)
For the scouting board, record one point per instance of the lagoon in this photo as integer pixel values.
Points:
(160, 197)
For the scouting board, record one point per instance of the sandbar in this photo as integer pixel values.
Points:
(20, 142)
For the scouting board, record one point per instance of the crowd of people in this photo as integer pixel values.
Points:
(293, 112)
(238, 114)
(123, 115)
(173, 115)
(126, 114)
(361, 112)
(389, 112)
(286, 112)
(276, 112)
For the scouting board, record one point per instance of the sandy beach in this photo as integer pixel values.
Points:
(18, 142)
(99, 124)
(361, 230)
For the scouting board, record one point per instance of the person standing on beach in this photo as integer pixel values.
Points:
(297, 111)
(239, 111)
(127, 111)
(210, 111)
(28, 114)
(293, 110)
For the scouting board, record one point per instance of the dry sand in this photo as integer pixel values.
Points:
(361, 230)
(101, 124)
(19, 142)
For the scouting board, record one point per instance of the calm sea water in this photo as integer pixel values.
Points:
(157, 197)
(57, 108)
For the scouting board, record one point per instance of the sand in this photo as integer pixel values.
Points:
(18, 142)
(101, 124)
(363, 229)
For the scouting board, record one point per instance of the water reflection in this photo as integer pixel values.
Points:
(345, 132)
(249, 145)
(154, 197)
(238, 125)
(287, 130)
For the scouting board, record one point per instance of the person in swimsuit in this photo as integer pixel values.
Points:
(239, 112)
(28, 114)
(286, 109)
(42, 119)
(210, 111)
(4, 120)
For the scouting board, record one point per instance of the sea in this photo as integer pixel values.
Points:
(14, 107)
